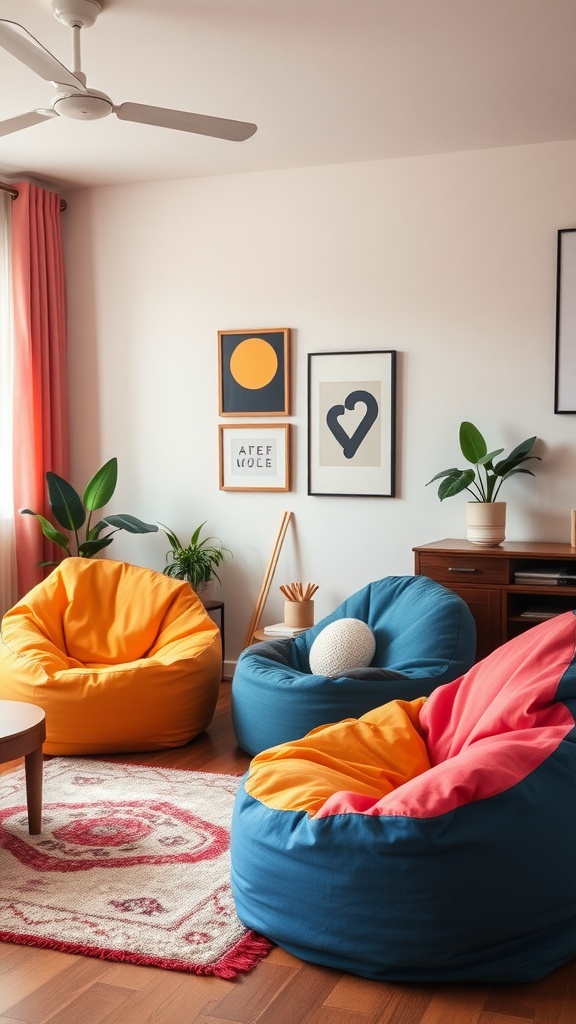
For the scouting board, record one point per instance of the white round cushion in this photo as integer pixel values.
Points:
(343, 644)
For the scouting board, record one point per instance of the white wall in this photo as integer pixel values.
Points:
(449, 259)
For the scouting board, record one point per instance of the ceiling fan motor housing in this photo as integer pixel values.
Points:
(85, 107)
(76, 13)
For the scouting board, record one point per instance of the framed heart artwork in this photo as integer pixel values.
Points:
(352, 423)
(565, 362)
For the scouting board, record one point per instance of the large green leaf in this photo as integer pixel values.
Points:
(523, 449)
(101, 487)
(65, 502)
(130, 523)
(94, 532)
(517, 469)
(91, 547)
(50, 532)
(489, 458)
(472, 443)
(446, 472)
(455, 484)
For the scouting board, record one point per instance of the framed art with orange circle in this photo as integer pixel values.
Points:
(254, 372)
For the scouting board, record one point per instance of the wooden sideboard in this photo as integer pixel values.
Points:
(503, 603)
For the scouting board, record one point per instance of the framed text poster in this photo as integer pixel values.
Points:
(254, 456)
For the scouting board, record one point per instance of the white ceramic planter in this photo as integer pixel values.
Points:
(486, 523)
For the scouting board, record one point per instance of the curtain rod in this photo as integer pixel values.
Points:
(14, 193)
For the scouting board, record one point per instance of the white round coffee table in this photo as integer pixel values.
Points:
(22, 733)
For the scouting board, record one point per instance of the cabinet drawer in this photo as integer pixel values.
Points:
(452, 569)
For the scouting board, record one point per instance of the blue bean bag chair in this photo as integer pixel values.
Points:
(431, 840)
(425, 636)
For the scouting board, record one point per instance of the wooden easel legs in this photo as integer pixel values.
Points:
(268, 577)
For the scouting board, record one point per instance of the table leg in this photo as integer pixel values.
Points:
(34, 764)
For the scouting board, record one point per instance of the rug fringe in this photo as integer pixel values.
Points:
(248, 952)
(251, 949)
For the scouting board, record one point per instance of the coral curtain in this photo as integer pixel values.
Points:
(41, 432)
(8, 588)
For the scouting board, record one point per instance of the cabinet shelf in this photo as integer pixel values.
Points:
(528, 620)
(543, 591)
(485, 578)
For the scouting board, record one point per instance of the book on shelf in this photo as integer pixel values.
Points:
(550, 577)
(540, 613)
(281, 629)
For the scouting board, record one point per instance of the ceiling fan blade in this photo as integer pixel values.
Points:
(22, 45)
(15, 124)
(181, 120)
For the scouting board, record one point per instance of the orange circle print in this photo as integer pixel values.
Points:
(253, 363)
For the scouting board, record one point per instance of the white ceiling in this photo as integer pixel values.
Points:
(326, 81)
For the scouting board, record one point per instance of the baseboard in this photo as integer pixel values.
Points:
(228, 669)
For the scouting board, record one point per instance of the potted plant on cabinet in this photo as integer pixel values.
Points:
(195, 562)
(486, 516)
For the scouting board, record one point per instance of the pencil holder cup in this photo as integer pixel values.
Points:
(299, 614)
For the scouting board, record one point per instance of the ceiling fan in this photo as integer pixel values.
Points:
(74, 99)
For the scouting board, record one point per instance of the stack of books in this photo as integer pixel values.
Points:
(281, 629)
(548, 577)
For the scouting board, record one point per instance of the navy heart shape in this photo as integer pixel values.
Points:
(350, 445)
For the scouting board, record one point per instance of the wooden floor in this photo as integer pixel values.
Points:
(37, 986)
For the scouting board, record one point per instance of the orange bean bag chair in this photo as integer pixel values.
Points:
(121, 658)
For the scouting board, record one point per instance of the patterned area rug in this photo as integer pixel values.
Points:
(132, 864)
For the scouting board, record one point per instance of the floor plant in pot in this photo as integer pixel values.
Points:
(73, 512)
(486, 515)
(195, 562)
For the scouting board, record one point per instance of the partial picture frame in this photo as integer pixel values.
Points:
(352, 423)
(254, 372)
(255, 456)
(565, 351)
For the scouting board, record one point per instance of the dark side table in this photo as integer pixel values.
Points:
(217, 606)
(22, 733)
